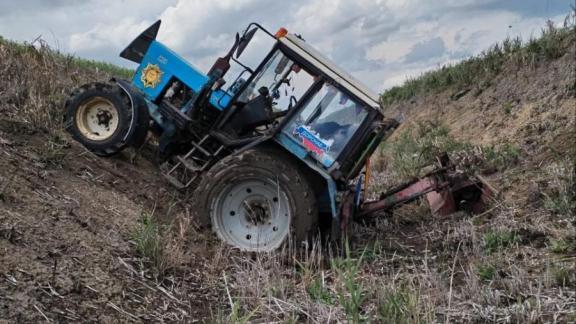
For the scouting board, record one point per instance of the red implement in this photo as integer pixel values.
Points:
(445, 190)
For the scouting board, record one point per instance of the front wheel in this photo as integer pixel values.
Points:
(257, 200)
(100, 117)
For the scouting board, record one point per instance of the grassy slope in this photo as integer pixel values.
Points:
(479, 71)
(68, 59)
(513, 263)
(75, 241)
(509, 114)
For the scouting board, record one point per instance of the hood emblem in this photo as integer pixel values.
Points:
(151, 76)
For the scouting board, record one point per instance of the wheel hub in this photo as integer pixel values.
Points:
(104, 118)
(97, 119)
(253, 215)
(257, 211)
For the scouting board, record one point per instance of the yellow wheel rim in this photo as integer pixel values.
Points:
(97, 119)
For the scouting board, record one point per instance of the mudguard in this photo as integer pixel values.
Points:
(136, 135)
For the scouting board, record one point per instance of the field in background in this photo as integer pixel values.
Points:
(90, 239)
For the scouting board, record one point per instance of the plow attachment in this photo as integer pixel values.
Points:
(446, 191)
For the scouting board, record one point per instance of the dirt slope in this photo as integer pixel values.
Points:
(68, 250)
(67, 217)
(524, 118)
(529, 106)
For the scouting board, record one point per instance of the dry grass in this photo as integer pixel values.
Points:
(36, 81)
(407, 277)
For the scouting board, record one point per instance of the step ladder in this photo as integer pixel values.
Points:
(183, 171)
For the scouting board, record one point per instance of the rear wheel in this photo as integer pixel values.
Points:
(100, 117)
(257, 200)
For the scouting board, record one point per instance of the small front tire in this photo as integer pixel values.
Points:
(100, 117)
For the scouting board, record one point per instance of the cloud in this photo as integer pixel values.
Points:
(107, 35)
(379, 41)
(423, 51)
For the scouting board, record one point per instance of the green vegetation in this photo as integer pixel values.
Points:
(319, 292)
(419, 146)
(500, 157)
(560, 246)
(150, 243)
(70, 60)
(100, 66)
(498, 240)
(562, 276)
(486, 271)
(351, 292)
(475, 71)
(560, 198)
(237, 316)
(399, 306)
(507, 107)
(53, 151)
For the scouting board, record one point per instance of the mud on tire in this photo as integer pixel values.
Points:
(274, 178)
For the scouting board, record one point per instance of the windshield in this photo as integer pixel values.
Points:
(327, 122)
(286, 82)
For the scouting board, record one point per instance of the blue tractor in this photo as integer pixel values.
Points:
(270, 155)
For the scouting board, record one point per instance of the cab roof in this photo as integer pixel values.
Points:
(329, 68)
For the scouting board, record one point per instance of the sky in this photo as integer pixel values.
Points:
(382, 42)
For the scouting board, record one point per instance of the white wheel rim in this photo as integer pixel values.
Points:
(97, 119)
(252, 215)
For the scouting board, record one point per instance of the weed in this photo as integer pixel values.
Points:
(498, 240)
(373, 251)
(507, 108)
(419, 146)
(559, 246)
(562, 276)
(319, 292)
(500, 157)
(561, 196)
(399, 306)
(351, 293)
(150, 243)
(237, 316)
(486, 271)
(53, 151)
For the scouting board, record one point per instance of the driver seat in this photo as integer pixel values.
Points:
(254, 113)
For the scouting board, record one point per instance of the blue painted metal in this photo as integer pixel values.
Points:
(358, 191)
(172, 65)
(298, 150)
(291, 145)
(294, 145)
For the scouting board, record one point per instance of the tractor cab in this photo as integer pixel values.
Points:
(305, 103)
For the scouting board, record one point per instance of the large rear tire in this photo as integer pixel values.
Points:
(257, 201)
(100, 117)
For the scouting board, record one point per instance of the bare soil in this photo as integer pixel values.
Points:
(65, 235)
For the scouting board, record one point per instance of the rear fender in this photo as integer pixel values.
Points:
(140, 113)
(326, 192)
